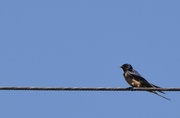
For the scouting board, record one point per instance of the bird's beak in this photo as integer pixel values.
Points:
(120, 67)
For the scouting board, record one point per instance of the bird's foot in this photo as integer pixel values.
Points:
(130, 88)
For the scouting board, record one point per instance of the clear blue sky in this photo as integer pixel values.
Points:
(78, 43)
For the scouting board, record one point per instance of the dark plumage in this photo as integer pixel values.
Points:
(134, 79)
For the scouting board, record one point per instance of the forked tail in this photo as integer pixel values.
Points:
(161, 96)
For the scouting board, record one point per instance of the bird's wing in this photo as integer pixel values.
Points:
(139, 78)
(143, 81)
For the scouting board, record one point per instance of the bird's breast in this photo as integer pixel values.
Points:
(131, 80)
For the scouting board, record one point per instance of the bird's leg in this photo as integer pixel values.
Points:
(130, 88)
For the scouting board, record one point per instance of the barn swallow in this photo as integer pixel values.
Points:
(134, 79)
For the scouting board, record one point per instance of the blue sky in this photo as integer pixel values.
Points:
(77, 43)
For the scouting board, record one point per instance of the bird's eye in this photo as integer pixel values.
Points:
(127, 66)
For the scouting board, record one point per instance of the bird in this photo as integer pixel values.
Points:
(134, 79)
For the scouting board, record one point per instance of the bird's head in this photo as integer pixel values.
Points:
(126, 67)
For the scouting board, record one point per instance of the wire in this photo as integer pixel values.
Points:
(87, 89)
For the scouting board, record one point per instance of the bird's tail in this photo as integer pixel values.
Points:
(157, 87)
(160, 95)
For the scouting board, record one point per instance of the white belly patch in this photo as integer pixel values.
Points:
(132, 81)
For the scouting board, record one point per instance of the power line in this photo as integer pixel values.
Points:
(87, 89)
